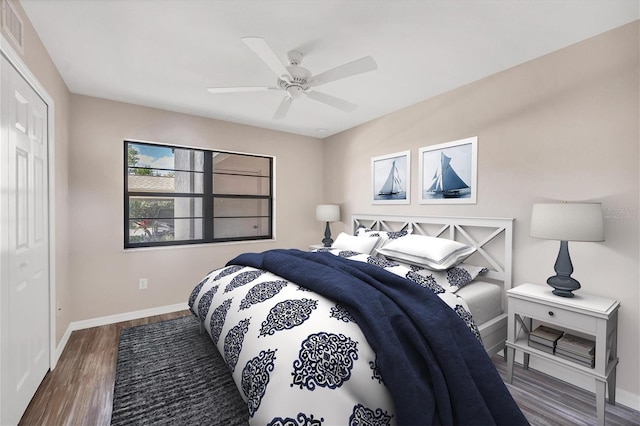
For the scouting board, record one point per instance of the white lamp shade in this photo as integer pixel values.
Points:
(568, 221)
(328, 213)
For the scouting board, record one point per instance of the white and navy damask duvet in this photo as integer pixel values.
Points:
(342, 338)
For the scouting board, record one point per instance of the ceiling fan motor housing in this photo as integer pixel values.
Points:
(298, 83)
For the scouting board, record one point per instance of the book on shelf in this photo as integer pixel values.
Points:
(544, 338)
(545, 335)
(586, 358)
(576, 344)
(534, 338)
(577, 352)
(541, 346)
(580, 361)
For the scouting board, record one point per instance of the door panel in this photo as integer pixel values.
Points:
(21, 218)
(24, 297)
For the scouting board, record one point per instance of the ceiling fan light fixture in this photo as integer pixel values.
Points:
(294, 91)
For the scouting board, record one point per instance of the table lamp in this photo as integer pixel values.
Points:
(327, 213)
(566, 222)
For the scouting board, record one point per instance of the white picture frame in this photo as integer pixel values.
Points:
(391, 178)
(449, 172)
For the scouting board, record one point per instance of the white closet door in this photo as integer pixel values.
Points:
(24, 234)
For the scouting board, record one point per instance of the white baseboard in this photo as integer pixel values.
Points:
(623, 397)
(112, 319)
(61, 346)
(627, 399)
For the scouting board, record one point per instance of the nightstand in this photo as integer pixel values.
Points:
(589, 315)
(315, 246)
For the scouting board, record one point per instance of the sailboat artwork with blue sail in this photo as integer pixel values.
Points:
(446, 182)
(449, 172)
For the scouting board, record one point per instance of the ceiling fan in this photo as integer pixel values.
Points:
(297, 81)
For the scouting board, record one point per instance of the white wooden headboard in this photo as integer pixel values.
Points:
(500, 230)
(492, 238)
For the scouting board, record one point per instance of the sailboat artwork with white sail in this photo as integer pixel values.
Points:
(390, 178)
(393, 184)
(446, 182)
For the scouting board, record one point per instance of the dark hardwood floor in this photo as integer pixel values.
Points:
(79, 391)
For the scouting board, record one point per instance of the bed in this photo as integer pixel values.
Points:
(345, 336)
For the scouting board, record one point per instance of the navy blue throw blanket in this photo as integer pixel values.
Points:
(434, 367)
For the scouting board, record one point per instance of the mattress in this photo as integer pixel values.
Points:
(483, 299)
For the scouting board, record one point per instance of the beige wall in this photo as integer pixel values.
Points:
(41, 66)
(562, 127)
(104, 276)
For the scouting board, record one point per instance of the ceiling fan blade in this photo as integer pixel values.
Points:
(332, 100)
(239, 89)
(358, 66)
(283, 108)
(264, 52)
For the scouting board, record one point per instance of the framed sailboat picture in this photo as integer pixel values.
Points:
(390, 176)
(448, 172)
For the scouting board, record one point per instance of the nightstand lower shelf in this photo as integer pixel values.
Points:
(522, 345)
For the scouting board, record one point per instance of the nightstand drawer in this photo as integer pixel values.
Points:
(558, 316)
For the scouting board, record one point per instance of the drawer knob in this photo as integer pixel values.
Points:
(550, 313)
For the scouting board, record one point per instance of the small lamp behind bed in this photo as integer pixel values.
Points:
(327, 213)
(566, 222)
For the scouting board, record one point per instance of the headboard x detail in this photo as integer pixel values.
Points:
(491, 237)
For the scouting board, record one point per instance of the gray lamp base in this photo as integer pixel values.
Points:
(562, 282)
(563, 286)
(327, 240)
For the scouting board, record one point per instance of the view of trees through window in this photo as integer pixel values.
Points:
(176, 195)
(144, 212)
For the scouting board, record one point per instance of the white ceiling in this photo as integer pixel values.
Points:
(165, 53)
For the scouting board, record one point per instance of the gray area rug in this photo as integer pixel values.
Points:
(170, 374)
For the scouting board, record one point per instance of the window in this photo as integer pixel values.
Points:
(176, 196)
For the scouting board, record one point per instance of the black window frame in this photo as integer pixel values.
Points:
(208, 198)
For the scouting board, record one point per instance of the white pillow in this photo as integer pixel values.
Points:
(349, 242)
(433, 253)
